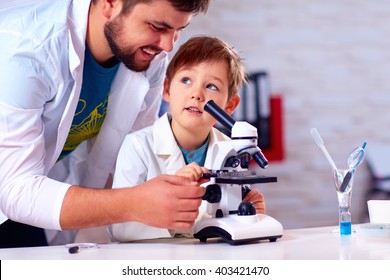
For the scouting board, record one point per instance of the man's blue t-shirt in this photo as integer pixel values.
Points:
(92, 106)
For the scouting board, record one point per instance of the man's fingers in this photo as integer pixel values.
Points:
(182, 225)
(183, 220)
(190, 191)
(175, 180)
(186, 216)
(185, 205)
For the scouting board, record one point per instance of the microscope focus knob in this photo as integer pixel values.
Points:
(232, 162)
(246, 209)
(213, 193)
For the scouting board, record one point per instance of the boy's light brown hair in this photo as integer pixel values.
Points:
(207, 49)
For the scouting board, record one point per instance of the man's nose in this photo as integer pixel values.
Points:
(168, 40)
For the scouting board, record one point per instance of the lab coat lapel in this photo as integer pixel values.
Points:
(77, 35)
(165, 145)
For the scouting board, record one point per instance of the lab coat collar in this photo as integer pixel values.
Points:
(165, 144)
(78, 22)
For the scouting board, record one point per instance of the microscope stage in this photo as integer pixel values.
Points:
(246, 180)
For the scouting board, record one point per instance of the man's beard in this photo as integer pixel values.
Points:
(112, 31)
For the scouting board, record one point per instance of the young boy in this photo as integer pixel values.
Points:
(179, 142)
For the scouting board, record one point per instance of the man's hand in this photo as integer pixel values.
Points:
(257, 199)
(167, 201)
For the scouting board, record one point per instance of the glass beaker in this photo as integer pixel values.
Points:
(343, 179)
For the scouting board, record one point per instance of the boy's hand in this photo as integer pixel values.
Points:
(257, 199)
(193, 172)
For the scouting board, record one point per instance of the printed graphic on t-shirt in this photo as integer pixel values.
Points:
(86, 124)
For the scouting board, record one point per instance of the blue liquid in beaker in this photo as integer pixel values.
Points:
(345, 228)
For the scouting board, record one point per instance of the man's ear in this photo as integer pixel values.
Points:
(166, 95)
(108, 7)
(232, 104)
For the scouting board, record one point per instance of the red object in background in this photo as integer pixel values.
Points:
(276, 150)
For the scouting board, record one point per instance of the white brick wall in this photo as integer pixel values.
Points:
(330, 60)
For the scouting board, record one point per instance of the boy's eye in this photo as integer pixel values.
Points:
(212, 87)
(185, 81)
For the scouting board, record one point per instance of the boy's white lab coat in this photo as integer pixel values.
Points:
(144, 155)
(41, 69)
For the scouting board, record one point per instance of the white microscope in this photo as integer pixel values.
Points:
(230, 180)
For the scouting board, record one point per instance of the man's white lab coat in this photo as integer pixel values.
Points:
(41, 69)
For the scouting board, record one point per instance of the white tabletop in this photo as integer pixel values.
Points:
(322, 243)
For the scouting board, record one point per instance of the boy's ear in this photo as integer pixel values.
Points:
(166, 95)
(232, 104)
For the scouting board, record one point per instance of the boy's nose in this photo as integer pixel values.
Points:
(197, 94)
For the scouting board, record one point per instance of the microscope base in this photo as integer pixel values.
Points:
(236, 230)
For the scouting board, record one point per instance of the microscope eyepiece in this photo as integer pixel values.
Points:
(219, 114)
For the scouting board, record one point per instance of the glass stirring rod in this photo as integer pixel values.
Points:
(320, 144)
